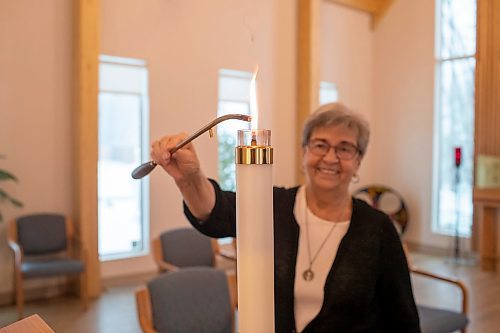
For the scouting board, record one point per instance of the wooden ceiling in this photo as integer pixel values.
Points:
(376, 8)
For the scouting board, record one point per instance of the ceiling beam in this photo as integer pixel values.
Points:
(376, 8)
(86, 59)
(370, 6)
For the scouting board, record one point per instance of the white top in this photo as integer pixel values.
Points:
(309, 294)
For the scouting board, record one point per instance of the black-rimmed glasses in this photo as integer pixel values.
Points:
(344, 150)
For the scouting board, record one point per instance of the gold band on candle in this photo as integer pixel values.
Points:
(254, 155)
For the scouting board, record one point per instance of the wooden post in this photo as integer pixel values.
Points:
(307, 67)
(86, 59)
(487, 118)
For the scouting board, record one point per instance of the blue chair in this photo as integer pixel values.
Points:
(432, 319)
(185, 247)
(44, 245)
(190, 300)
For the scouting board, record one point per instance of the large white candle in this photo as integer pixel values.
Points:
(254, 232)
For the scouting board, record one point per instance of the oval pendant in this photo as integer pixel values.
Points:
(308, 274)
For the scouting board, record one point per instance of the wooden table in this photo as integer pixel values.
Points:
(32, 324)
(487, 204)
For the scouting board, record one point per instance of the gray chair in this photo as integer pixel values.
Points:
(190, 300)
(44, 245)
(432, 319)
(184, 247)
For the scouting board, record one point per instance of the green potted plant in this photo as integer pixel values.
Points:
(4, 196)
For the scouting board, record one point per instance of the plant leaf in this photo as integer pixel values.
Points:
(16, 202)
(4, 196)
(4, 175)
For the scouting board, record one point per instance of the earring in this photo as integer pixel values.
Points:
(355, 179)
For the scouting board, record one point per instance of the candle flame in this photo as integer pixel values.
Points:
(254, 111)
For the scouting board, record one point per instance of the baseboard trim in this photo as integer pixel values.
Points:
(436, 251)
(58, 289)
(141, 278)
(34, 293)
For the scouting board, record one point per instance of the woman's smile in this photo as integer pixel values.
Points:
(328, 170)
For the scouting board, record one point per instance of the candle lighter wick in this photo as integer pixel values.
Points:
(254, 140)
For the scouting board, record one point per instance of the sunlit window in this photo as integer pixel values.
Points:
(234, 97)
(123, 208)
(456, 47)
(328, 93)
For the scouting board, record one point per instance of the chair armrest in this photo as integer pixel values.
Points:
(227, 254)
(18, 252)
(14, 245)
(227, 251)
(233, 289)
(144, 311)
(166, 267)
(446, 279)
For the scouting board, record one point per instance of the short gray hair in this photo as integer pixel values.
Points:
(337, 114)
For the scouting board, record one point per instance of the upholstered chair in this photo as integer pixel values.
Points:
(45, 245)
(190, 300)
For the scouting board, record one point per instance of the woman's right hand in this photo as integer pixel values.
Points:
(183, 165)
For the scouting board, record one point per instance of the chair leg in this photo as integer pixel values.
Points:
(69, 285)
(84, 290)
(19, 296)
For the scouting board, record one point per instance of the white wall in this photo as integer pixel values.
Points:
(35, 110)
(404, 110)
(347, 60)
(185, 43)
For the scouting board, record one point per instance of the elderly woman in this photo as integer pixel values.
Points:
(339, 263)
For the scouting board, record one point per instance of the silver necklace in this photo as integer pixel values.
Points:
(308, 274)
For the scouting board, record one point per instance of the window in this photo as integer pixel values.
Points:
(328, 93)
(123, 208)
(456, 46)
(234, 97)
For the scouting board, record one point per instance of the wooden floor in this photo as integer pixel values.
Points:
(115, 310)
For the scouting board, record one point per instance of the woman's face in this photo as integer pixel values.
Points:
(328, 172)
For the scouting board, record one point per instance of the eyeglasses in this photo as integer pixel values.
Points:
(344, 151)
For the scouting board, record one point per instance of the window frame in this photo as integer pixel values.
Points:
(440, 61)
(144, 154)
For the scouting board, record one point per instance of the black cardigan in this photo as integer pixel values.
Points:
(368, 288)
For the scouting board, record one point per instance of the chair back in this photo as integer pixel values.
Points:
(41, 233)
(187, 247)
(191, 300)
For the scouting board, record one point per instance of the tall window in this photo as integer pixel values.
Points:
(455, 66)
(234, 97)
(328, 92)
(123, 208)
